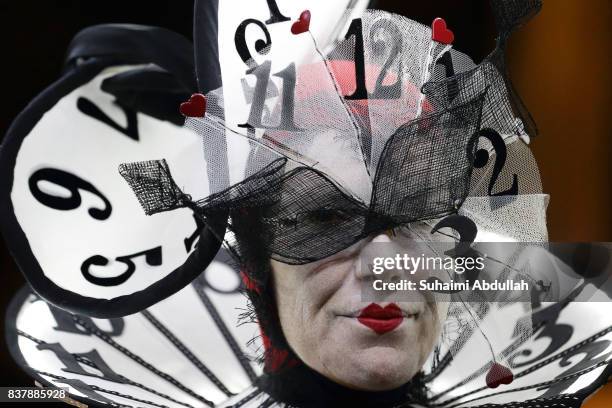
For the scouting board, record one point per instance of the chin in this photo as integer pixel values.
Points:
(379, 369)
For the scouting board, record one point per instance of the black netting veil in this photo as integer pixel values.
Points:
(424, 173)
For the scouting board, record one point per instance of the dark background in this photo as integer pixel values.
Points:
(560, 64)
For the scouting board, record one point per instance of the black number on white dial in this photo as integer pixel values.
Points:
(153, 257)
(90, 109)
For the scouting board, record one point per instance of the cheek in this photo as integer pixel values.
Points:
(307, 329)
(430, 331)
(288, 302)
(299, 307)
(442, 310)
(306, 298)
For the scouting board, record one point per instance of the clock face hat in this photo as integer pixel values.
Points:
(59, 160)
(261, 164)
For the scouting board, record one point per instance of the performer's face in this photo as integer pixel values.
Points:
(320, 305)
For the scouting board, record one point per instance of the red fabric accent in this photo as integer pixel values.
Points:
(276, 358)
(249, 283)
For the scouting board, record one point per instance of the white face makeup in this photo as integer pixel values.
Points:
(361, 345)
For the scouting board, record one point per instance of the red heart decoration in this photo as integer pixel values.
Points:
(440, 33)
(303, 23)
(195, 107)
(499, 374)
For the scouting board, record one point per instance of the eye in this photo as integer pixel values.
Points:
(280, 222)
(327, 216)
(400, 230)
(288, 222)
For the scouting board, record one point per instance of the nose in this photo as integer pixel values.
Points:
(378, 246)
(383, 237)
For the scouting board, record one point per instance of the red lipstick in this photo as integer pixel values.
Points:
(381, 320)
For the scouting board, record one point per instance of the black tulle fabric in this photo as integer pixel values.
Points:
(424, 173)
(302, 387)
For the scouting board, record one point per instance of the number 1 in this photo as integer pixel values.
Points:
(262, 73)
(275, 15)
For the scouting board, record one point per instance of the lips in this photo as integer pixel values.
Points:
(381, 319)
